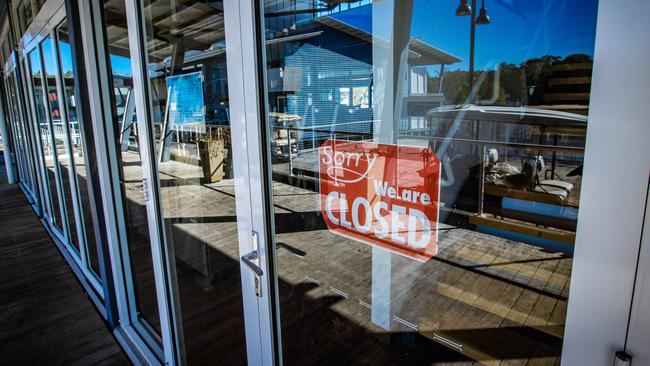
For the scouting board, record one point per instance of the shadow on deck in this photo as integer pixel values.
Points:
(45, 315)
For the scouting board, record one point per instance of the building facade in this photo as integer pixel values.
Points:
(341, 182)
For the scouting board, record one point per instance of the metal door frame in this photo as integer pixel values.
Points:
(244, 157)
(245, 78)
(140, 342)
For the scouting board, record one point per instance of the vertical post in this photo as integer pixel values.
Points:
(289, 152)
(442, 72)
(127, 121)
(554, 157)
(164, 129)
(481, 181)
(389, 75)
(177, 61)
(472, 31)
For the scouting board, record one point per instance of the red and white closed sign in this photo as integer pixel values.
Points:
(382, 195)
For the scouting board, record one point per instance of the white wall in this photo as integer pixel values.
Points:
(617, 162)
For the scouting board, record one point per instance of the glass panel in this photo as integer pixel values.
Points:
(47, 151)
(77, 158)
(60, 141)
(125, 127)
(28, 142)
(189, 99)
(426, 162)
(22, 128)
(18, 130)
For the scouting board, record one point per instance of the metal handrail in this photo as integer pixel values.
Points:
(436, 138)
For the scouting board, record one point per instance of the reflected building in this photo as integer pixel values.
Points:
(323, 72)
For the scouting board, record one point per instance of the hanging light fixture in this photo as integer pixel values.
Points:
(482, 17)
(463, 9)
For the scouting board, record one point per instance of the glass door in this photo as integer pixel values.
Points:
(60, 146)
(59, 136)
(204, 204)
(423, 167)
(19, 131)
(137, 245)
(74, 165)
(46, 147)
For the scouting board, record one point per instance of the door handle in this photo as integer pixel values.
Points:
(248, 260)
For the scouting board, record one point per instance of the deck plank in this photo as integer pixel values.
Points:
(45, 315)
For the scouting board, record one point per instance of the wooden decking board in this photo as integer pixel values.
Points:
(45, 316)
(478, 284)
(468, 286)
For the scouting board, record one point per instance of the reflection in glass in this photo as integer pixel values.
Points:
(487, 115)
(60, 140)
(46, 149)
(124, 124)
(189, 100)
(18, 127)
(77, 159)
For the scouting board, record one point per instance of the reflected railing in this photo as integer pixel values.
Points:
(506, 180)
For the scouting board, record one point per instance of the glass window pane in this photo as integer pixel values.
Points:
(47, 151)
(190, 103)
(60, 140)
(24, 129)
(78, 158)
(18, 129)
(124, 125)
(426, 167)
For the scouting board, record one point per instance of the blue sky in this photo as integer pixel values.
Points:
(519, 29)
(121, 65)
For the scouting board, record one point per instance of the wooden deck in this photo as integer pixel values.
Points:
(500, 301)
(45, 316)
(493, 300)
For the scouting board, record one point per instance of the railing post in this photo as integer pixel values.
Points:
(289, 151)
(481, 192)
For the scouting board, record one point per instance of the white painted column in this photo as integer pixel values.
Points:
(614, 186)
(391, 29)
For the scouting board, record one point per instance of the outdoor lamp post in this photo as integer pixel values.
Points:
(464, 10)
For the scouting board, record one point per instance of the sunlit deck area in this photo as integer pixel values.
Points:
(480, 292)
